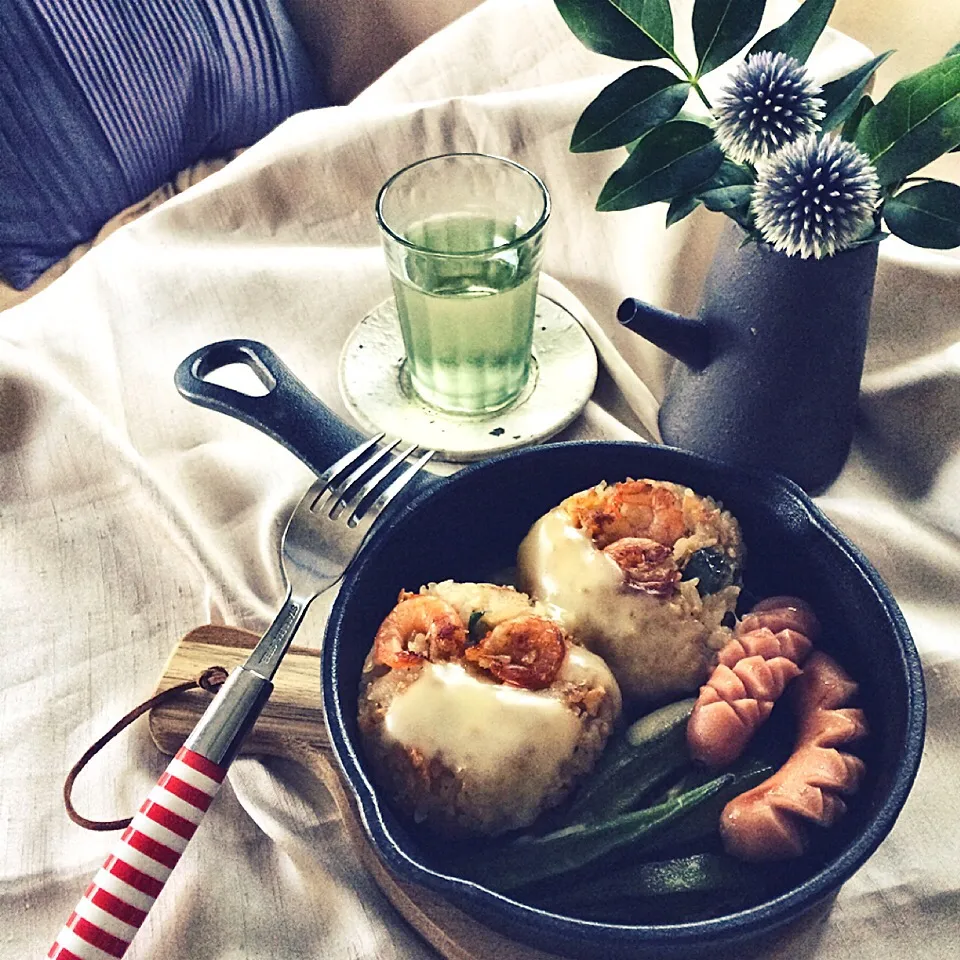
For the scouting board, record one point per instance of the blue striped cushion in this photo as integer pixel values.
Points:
(102, 101)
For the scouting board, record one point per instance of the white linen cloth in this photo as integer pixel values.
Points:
(128, 517)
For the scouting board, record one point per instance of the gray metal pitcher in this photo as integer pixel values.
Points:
(769, 373)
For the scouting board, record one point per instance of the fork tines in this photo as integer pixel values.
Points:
(355, 478)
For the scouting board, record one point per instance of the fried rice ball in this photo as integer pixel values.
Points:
(646, 573)
(477, 712)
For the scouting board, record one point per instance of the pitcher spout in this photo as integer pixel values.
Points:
(681, 337)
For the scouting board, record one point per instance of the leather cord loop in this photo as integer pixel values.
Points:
(210, 680)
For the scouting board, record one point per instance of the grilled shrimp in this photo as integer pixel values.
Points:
(419, 628)
(632, 508)
(752, 672)
(768, 822)
(653, 528)
(647, 565)
(525, 652)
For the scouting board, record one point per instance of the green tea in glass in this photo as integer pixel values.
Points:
(463, 237)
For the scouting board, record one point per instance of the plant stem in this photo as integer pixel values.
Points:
(676, 60)
(696, 86)
(693, 79)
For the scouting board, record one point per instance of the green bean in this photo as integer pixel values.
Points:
(651, 750)
(690, 778)
(652, 727)
(698, 873)
(531, 859)
(702, 823)
(627, 791)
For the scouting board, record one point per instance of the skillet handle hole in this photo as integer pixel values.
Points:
(244, 375)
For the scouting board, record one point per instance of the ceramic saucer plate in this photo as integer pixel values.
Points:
(377, 391)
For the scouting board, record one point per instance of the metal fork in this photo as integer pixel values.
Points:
(323, 534)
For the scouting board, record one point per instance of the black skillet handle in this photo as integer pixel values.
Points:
(289, 412)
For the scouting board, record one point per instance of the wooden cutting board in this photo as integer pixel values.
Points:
(292, 726)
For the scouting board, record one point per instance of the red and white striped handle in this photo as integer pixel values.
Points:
(117, 901)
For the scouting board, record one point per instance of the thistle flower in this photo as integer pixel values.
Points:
(815, 196)
(771, 101)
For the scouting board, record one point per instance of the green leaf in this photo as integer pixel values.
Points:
(723, 199)
(797, 36)
(742, 216)
(626, 29)
(952, 52)
(722, 28)
(681, 207)
(842, 96)
(927, 215)
(728, 174)
(669, 161)
(631, 106)
(916, 122)
(874, 236)
(853, 122)
(736, 203)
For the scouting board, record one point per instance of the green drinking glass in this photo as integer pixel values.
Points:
(463, 238)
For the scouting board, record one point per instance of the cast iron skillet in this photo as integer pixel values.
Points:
(467, 527)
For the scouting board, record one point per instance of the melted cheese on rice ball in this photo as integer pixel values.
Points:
(478, 731)
(646, 574)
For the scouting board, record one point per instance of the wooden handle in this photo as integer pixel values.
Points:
(292, 715)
